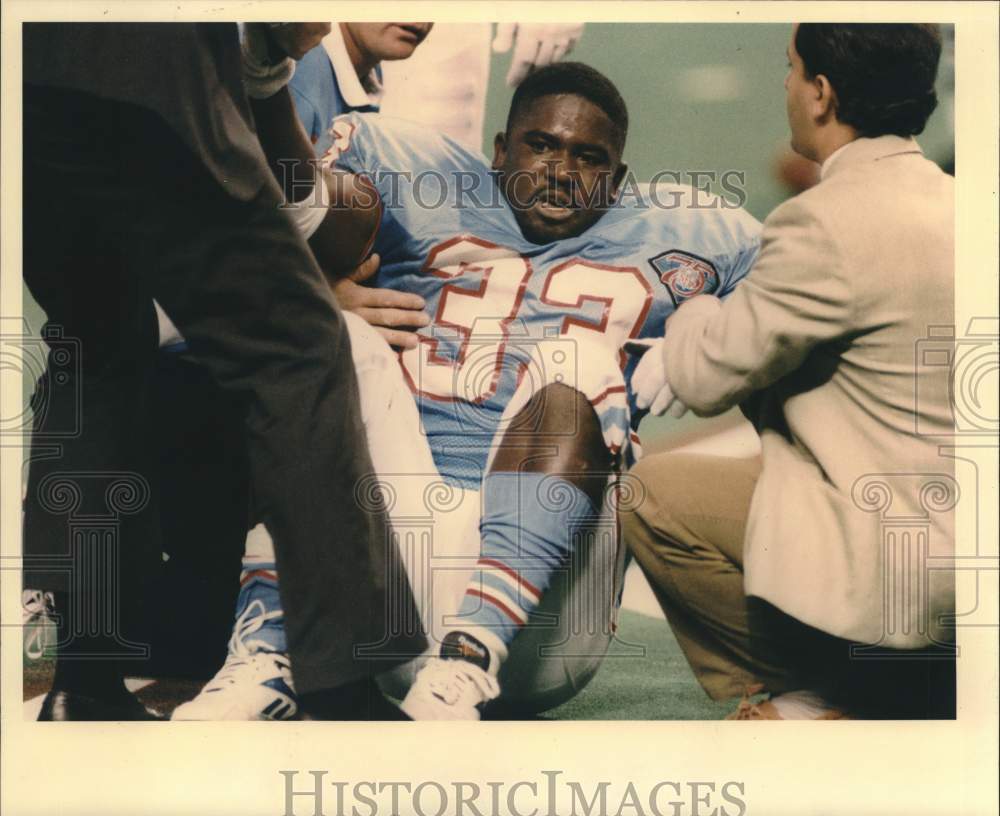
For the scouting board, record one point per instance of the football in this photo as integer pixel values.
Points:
(561, 647)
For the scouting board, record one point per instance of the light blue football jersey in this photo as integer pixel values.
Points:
(315, 90)
(448, 235)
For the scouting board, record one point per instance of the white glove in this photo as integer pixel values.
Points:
(261, 78)
(538, 44)
(649, 380)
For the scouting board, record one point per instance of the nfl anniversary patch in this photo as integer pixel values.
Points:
(685, 275)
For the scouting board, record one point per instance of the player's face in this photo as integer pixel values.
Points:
(388, 41)
(799, 93)
(559, 166)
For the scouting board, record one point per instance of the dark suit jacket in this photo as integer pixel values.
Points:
(187, 73)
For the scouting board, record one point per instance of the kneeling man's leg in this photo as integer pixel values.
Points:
(686, 531)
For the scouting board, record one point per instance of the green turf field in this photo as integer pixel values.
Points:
(658, 685)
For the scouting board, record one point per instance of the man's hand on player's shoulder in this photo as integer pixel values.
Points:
(394, 314)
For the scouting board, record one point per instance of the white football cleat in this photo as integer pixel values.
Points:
(455, 685)
(255, 683)
(37, 618)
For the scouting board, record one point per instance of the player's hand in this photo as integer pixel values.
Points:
(394, 314)
(537, 44)
(297, 39)
(649, 380)
(264, 73)
(269, 51)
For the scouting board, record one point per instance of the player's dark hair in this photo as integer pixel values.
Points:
(883, 73)
(577, 79)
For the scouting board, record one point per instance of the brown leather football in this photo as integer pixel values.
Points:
(345, 237)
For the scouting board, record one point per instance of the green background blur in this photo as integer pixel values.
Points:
(702, 97)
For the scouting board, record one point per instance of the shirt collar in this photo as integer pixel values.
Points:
(824, 168)
(865, 149)
(356, 94)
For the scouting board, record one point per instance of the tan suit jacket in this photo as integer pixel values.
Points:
(823, 345)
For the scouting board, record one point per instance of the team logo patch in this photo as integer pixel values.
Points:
(685, 275)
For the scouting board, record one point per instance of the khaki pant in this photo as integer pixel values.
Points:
(686, 529)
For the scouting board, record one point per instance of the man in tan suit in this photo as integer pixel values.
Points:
(806, 571)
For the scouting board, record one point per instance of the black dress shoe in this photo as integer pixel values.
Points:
(70, 706)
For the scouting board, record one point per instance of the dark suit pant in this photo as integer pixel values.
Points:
(117, 212)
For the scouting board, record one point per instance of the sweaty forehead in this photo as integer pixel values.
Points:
(568, 116)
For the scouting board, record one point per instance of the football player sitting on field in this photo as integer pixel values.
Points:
(540, 273)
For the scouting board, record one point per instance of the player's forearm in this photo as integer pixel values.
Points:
(286, 144)
(343, 237)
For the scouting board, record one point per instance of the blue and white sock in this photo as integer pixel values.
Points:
(258, 605)
(527, 532)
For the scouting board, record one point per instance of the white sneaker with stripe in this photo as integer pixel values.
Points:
(255, 683)
(455, 685)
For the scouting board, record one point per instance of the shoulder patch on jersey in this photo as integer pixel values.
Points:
(340, 133)
(684, 274)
